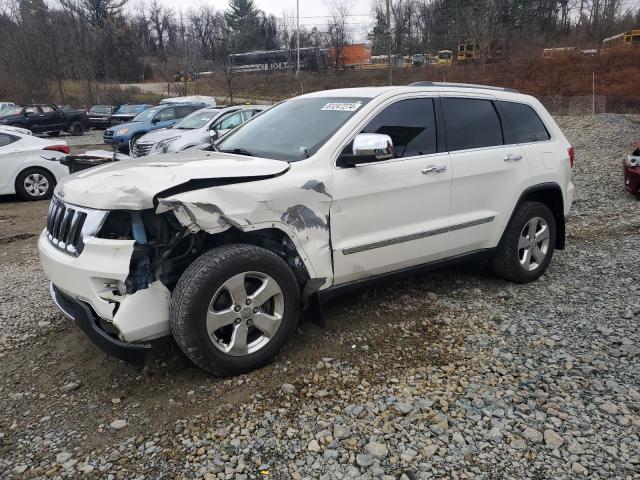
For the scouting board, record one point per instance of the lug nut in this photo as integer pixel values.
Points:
(237, 308)
(249, 322)
(255, 310)
(238, 320)
(248, 301)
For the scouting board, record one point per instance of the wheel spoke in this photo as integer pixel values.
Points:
(537, 254)
(216, 320)
(523, 242)
(526, 261)
(267, 324)
(238, 343)
(267, 290)
(543, 234)
(533, 226)
(237, 290)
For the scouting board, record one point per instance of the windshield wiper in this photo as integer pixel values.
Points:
(238, 151)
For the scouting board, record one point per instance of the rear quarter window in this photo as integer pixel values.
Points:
(471, 123)
(521, 123)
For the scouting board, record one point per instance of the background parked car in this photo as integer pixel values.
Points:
(47, 118)
(100, 116)
(127, 112)
(207, 100)
(195, 129)
(30, 165)
(161, 116)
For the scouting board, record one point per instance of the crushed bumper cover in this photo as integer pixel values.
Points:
(81, 314)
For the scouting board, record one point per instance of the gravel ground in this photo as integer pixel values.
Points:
(453, 374)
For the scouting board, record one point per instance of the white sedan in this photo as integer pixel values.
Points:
(30, 166)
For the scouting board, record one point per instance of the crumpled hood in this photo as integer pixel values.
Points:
(132, 184)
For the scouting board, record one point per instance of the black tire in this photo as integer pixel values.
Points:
(195, 290)
(22, 191)
(507, 260)
(133, 141)
(76, 129)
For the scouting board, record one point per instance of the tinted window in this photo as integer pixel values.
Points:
(521, 124)
(46, 109)
(411, 125)
(166, 114)
(6, 139)
(471, 123)
(32, 110)
(182, 112)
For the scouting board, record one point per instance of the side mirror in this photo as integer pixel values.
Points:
(155, 120)
(213, 135)
(368, 147)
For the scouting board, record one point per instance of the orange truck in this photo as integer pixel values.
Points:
(350, 56)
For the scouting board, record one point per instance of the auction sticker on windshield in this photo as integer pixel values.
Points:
(342, 107)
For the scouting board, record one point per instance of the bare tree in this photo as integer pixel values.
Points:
(338, 31)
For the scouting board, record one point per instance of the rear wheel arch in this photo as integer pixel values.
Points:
(549, 194)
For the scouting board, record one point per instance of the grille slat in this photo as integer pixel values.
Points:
(66, 225)
(142, 149)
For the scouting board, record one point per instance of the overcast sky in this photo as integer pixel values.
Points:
(312, 12)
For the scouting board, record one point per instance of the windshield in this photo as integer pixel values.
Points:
(100, 109)
(292, 130)
(130, 109)
(147, 115)
(197, 119)
(444, 55)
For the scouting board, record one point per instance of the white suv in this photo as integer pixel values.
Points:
(223, 249)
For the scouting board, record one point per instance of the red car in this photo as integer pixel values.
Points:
(631, 167)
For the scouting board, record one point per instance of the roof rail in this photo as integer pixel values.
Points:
(460, 85)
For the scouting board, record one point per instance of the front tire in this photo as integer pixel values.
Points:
(35, 184)
(527, 245)
(233, 309)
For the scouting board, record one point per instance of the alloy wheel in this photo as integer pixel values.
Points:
(533, 245)
(245, 313)
(36, 184)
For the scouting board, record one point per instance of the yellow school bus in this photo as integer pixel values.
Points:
(626, 39)
(445, 57)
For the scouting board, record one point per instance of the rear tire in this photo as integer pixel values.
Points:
(219, 316)
(527, 245)
(35, 184)
(76, 129)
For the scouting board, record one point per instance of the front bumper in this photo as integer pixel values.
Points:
(99, 122)
(632, 180)
(95, 278)
(82, 315)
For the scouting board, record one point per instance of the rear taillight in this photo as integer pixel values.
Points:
(572, 156)
(59, 148)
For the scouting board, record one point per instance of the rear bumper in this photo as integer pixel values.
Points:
(82, 315)
(632, 180)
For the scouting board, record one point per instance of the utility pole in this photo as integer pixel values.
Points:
(389, 40)
(298, 37)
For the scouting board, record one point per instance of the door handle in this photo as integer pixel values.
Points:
(434, 169)
(513, 157)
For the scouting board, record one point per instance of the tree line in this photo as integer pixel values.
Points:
(46, 43)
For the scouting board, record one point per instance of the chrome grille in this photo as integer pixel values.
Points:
(68, 225)
(142, 149)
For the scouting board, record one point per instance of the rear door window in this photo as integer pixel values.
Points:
(6, 139)
(471, 123)
(521, 123)
(411, 124)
